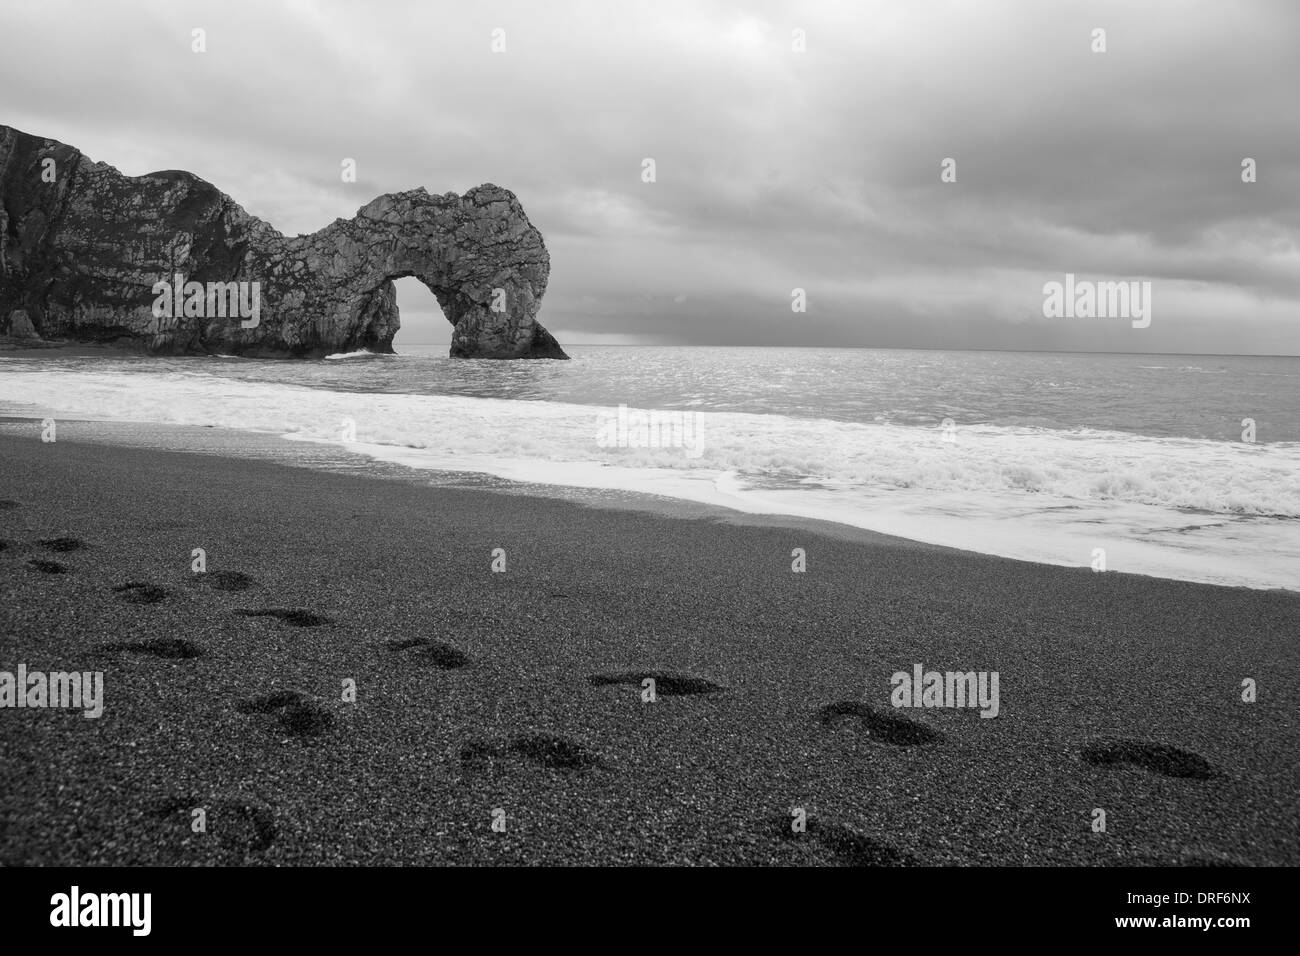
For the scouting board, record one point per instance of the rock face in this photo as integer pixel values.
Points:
(20, 326)
(82, 247)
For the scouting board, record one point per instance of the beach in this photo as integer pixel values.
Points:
(515, 697)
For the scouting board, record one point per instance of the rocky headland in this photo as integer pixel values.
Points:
(85, 251)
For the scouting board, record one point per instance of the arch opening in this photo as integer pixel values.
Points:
(423, 325)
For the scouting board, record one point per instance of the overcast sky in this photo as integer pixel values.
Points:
(775, 169)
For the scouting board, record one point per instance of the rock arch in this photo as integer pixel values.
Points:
(79, 257)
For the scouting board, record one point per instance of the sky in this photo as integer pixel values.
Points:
(775, 168)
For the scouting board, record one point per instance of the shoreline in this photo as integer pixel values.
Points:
(331, 456)
(478, 691)
(269, 447)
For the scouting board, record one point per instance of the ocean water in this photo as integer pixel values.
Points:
(1041, 456)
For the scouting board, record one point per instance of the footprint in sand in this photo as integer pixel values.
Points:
(545, 750)
(298, 714)
(170, 648)
(442, 655)
(1158, 758)
(47, 567)
(666, 682)
(224, 580)
(239, 826)
(140, 592)
(836, 844)
(882, 726)
(289, 615)
(63, 545)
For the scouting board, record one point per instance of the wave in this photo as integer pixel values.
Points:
(359, 354)
(1023, 491)
(1234, 478)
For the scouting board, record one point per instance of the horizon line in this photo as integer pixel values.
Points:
(901, 348)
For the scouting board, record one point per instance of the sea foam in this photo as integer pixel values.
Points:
(1196, 509)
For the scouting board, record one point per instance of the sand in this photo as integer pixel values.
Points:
(519, 692)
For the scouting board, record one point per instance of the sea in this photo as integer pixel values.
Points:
(1176, 466)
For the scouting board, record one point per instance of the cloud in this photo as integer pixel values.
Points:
(775, 169)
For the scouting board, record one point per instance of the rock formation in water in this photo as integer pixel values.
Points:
(83, 250)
